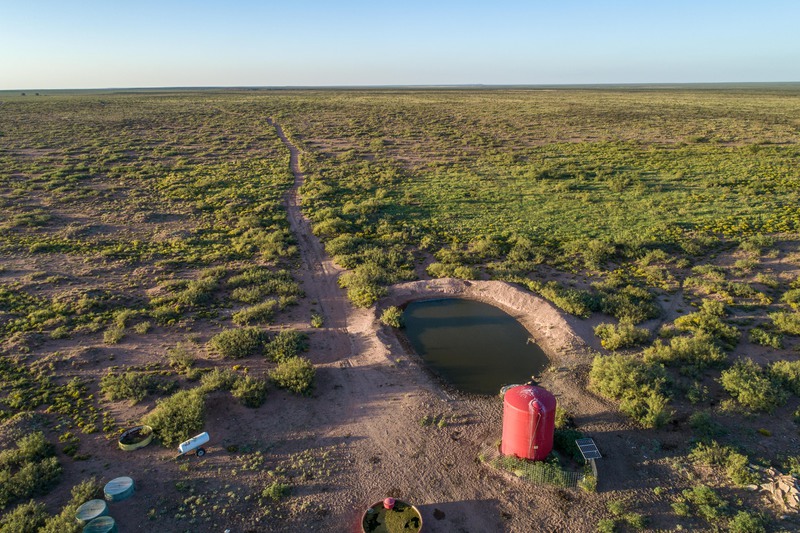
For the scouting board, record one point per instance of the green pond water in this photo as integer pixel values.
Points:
(474, 346)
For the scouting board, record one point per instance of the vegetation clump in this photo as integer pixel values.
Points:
(691, 355)
(287, 344)
(734, 463)
(392, 317)
(252, 392)
(638, 385)
(622, 335)
(131, 385)
(238, 343)
(751, 386)
(178, 417)
(295, 374)
(30, 469)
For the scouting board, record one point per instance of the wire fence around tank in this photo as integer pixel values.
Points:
(539, 472)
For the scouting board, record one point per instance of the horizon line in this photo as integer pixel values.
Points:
(412, 86)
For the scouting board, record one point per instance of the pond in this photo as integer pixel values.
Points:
(474, 346)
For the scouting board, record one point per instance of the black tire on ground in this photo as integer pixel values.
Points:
(200, 452)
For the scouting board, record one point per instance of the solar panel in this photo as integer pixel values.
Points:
(588, 449)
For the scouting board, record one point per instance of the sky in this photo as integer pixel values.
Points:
(60, 44)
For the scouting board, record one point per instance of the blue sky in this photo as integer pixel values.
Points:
(49, 44)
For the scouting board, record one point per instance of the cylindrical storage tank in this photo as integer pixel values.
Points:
(91, 510)
(104, 524)
(193, 443)
(529, 419)
(119, 489)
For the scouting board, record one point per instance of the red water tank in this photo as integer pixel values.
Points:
(529, 419)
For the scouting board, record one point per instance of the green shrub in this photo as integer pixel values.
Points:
(275, 491)
(392, 317)
(745, 522)
(65, 522)
(692, 354)
(113, 334)
(705, 501)
(575, 302)
(287, 344)
(238, 343)
(628, 302)
(28, 470)
(709, 320)
(638, 386)
(746, 382)
(178, 417)
(219, 379)
(250, 391)
(734, 463)
(564, 442)
(295, 374)
(180, 358)
(704, 427)
(764, 338)
(792, 297)
(787, 374)
(24, 518)
(317, 320)
(130, 385)
(606, 525)
(623, 335)
(258, 314)
(786, 323)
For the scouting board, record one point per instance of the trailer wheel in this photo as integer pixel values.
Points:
(200, 452)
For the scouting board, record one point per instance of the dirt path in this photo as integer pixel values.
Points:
(371, 397)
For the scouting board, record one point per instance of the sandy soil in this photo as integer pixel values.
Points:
(358, 438)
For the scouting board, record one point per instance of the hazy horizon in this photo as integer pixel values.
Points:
(314, 44)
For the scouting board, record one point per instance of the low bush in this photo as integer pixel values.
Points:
(749, 385)
(637, 384)
(628, 302)
(702, 501)
(131, 385)
(295, 374)
(250, 391)
(691, 354)
(392, 317)
(787, 374)
(24, 518)
(178, 417)
(709, 320)
(275, 491)
(287, 344)
(28, 470)
(564, 442)
(238, 343)
(261, 313)
(745, 522)
(114, 334)
(704, 427)
(734, 463)
(623, 335)
(575, 302)
(180, 358)
(786, 323)
(218, 379)
(765, 338)
(792, 297)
